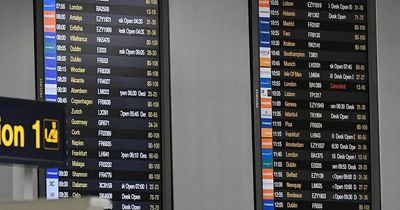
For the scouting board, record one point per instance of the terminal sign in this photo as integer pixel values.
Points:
(31, 132)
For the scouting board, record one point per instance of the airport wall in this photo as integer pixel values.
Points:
(211, 110)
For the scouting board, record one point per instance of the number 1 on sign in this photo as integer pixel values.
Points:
(36, 128)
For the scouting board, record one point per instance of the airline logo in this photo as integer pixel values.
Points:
(265, 56)
(267, 153)
(266, 92)
(265, 40)
(266, 103)
(265, 82)
(266, 143)
(268, 184)
(264, 25)
(49, 5)
(264, 12)
(267, 173)
(268, 205)
(265, 72)
(263, 3)
(266, 113)
(268, 194)
(266, 123)
(266, 132)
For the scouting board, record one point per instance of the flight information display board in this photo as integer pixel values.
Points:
(315, 104)
(108, 61)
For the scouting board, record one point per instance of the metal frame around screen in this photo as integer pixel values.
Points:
(166, 144)
(373, 104)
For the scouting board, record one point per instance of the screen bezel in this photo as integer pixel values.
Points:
(373, 105)
(166, 152)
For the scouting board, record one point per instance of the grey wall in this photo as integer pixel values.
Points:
(16, 49)
(16, 80)
(389, 100)
(211, 110)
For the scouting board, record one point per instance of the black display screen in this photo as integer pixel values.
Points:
(315, 104)
(108, 62)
